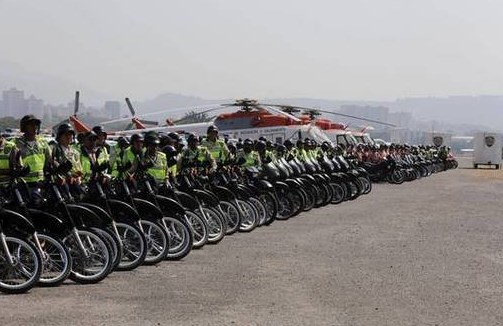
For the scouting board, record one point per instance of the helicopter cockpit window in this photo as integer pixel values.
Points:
(234, 123)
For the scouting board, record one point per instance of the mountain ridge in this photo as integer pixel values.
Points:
(457, 109)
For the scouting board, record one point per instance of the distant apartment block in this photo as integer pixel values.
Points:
(15, 105)
(35, 106)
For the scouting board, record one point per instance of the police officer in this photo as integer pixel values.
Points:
(301, 151)
(172, 159)
(165, 140)
(154, 160)
(215, 146)
(101, 142)
(134, 152)
(118, 152)
(231, 158)
(314, 150)
(177, 141)
(65, 157)
(266, 156)
(102, 137)
(247, 157)
(173, 153)
(93, 158)
(281, 151)
(291, 152)
(326, 149)
(195, 155)
(31, 157)
(31, 151)
(5, 148)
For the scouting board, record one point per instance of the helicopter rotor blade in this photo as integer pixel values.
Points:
(211, 110)
(284, 106)
(76, 107)
(312, 112)
(244, 102)
(130, 106)
(291, 106)
(288, 109)
(288, 115)
(334, 113)
(114, 121)
(149, 122)
(179, 109)
(359, 118)
(250, 103)
(169, 111)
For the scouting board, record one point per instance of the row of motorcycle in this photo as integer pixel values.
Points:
(397, 170)
(55, 230)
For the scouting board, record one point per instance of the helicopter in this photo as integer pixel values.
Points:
(337, 132)
(252, 119)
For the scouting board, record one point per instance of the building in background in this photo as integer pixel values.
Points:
(35, 106)
(15, 105)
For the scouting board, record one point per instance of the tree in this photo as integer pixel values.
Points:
(194, 117)
(9, 122)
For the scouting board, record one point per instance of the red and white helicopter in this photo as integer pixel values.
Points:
(251, 120)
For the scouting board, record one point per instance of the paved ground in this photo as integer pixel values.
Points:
(422, 253)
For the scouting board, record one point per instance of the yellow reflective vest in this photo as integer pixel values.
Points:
(5, 150)
(218, 149)
(251, 159)
(61, 154)
(196, 157)
(173, 170)
(34, 154)
(159, 170)
(85, 161)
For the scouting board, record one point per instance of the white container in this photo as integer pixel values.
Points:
(438, 139)
(487, 149)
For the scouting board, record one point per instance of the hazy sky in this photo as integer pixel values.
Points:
(354, 49)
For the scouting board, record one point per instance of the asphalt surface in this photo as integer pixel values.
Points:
(421, 253)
